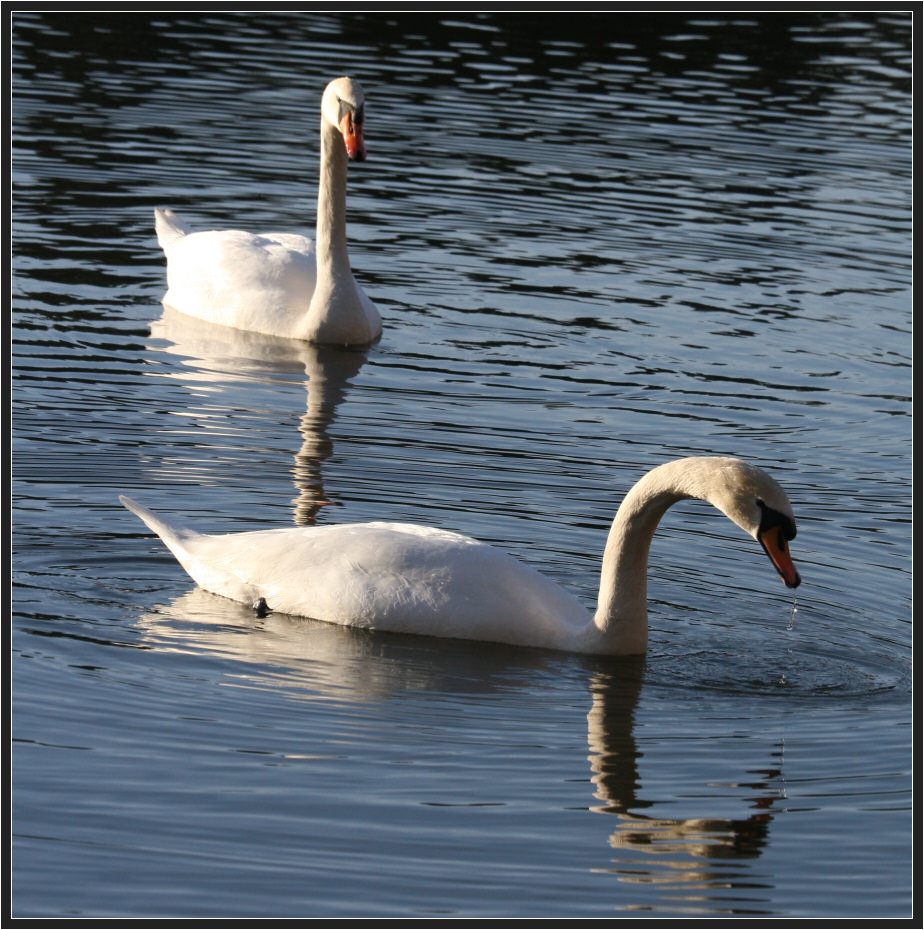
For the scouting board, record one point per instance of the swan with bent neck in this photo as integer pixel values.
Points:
(413, 579)
(282, 284)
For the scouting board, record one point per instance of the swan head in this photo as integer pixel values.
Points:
(344, 107)
(753, 500)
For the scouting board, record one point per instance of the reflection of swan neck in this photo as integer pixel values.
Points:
(329, 371)
(331, 244)
(682, 842)
(614, 754)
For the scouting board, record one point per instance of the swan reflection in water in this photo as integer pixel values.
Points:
(221, 354)
(685, 844)
(311, 660)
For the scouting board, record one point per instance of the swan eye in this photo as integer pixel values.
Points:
(354, 114)
(770, 518)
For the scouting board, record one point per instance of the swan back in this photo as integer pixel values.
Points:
(386, 576)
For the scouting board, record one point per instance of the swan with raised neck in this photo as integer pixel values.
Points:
(414, 579)
(282, 284)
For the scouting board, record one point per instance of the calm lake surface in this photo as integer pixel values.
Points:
(598, 242)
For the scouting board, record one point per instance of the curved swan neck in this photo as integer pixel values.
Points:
(622, 608)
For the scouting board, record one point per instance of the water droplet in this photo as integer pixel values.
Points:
(792, 613)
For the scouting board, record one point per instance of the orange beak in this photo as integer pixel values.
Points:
(775, 545)
(353, 138)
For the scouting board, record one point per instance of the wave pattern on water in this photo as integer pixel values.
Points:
(599, 241)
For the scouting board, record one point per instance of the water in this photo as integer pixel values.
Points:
(598, 243)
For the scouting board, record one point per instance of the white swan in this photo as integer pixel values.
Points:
(276, 283)
(413, 579)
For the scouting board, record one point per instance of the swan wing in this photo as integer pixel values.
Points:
(261, 283)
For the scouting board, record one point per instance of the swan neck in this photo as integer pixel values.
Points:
(331, 243)
(336, 314)
(622, 608)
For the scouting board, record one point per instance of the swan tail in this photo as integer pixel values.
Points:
(205, 558)
(170, 228)
(176, 538)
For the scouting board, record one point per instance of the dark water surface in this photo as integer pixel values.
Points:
(598, 243)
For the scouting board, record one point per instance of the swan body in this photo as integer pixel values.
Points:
(413, 579)
(282, 284)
